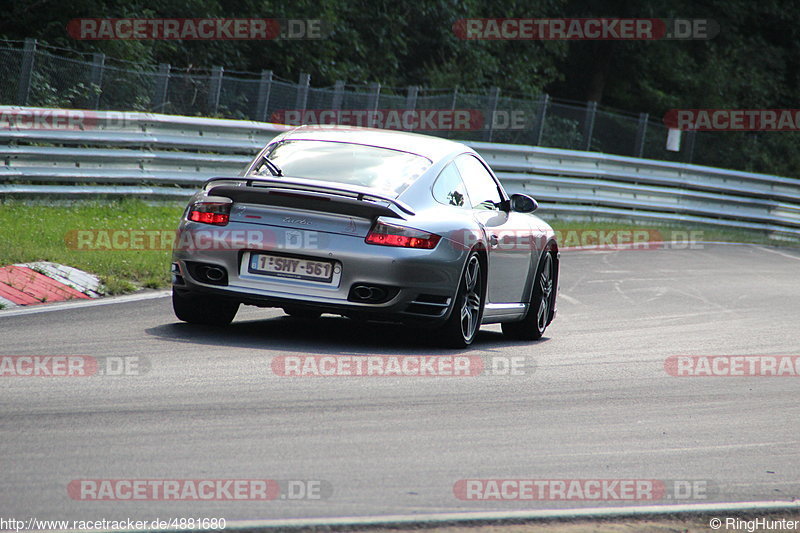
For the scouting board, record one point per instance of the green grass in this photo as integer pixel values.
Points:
(668, 232)
(35, 232)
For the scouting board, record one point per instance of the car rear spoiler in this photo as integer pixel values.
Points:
(314, 195)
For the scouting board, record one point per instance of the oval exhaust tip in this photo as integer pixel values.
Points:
(362, 292)
(214, 274)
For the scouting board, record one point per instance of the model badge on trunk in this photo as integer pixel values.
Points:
(299, 221)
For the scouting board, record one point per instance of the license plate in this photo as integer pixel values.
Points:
(291, 267)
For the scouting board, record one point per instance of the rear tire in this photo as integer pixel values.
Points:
(465, 319)
(537, 318)
(203, 309)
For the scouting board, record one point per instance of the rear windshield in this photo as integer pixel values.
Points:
(390, 171)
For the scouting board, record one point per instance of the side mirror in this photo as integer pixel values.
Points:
(522, 203)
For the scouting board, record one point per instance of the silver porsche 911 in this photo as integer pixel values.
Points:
(368, 224)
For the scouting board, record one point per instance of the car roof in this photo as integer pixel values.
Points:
(434, 148)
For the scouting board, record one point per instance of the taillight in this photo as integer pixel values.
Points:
(216, 213)
(390, 235)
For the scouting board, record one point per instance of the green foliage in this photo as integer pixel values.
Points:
(562, 132)
(45, 93)
(112, 286)
(395, 43)
(753, 63)
(41, 232)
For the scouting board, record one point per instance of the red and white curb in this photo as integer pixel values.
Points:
(44, 282)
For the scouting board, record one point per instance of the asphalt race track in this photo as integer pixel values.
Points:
(592, 401)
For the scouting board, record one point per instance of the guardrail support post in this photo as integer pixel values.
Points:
(372, 102)
(338, 95)
(214, 89)
(641, 133)
(96, 78)
(588, 125)
(302, 92)
(26, 71)
(540, 120)
(162, 84)
(691, 137)
(374, 96)
(411, 101)
(264, 88)
(494, 96)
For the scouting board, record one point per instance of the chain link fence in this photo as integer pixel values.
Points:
(32, 74)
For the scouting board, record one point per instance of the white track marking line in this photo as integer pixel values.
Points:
(795, 257)
(569, 298)
(496, 516)
(476, 516)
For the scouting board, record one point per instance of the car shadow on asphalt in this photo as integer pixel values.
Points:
(326, 335)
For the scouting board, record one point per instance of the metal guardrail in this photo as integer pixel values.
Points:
(163, 156)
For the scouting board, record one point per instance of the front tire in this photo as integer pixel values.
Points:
(203, 309)
(540, 309)
(465, 319)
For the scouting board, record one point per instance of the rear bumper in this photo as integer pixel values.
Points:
(408, 312)
(422, 282)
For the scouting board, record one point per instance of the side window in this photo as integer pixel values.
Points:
(481, 187)
(449, 188)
